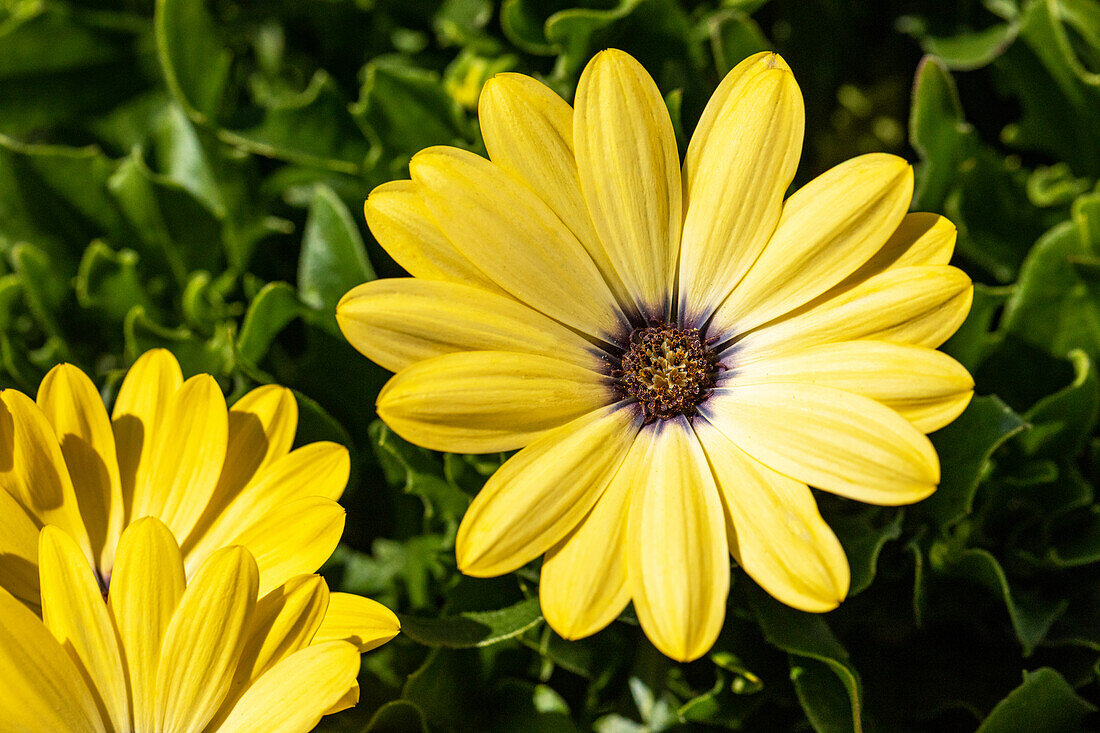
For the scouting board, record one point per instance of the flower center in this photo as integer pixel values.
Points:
(668, 370)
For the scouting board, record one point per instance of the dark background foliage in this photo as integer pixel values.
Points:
(190, 175)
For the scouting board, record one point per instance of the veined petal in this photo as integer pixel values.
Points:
(543, 492)
(922, 306)
(926, 387)
(19, 550)
(584, 583)
(317, 469)
(837, 441)
(293, 539)
(294, 694)
(401, 223)
(921, 239)
(485, 401)
(139, 408)
(73, 406)
(283, 622)
(146, 588)
(630, 175)
(735, 178)
(42, 689)
(261, 431)
(397, 323)
(187, 456)
(515, 239)
(829, 228)
(33, 470)
(357, 620)
(777, 534)
(677, 552)
(204, 640)
(74, 612)
(528, 131)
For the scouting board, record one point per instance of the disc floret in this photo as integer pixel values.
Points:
(668, 370)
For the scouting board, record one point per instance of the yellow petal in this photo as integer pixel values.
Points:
(677, 553)
(837, 441)
(735, 178)
(515, 239)
(400, 322)
(829, 228)
(403, 226)
(630, 175)
(926, 387)
(146, 588)
(73, 406)
(139, 408)
(360, 621)
(528, 131)
(261, 430)
(204, 641)
(920, 239)
(19, 550)
(349, 700)
(922, 306)
(484, 401)
(316, 469)
(74, 612)
(284, 621)
(42, 690)
(776, 532)
(33, 470)
(296, 692)
(186, 458)
(543, 492)
(584, 584)
(293, 539)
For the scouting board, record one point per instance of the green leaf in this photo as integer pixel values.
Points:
(175, 228)
(397, 716)
(733, 36)
(976, 338)
(333, 258)
(472, 629)
(273, 308)
(938, 133)
(1031, 612)
(196, 65)
(828, 685)
(965, 51)
(109, 281)
(57, 199)
(1043, 703)
(408, 108)
(966, 447)
(1053, 307)
(421, 473)
(60, 64)
(43, 291)
(863, 535)
(1062, 422)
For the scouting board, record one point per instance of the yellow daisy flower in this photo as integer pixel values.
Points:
(678, 351)
(164, 654)
(169, 450)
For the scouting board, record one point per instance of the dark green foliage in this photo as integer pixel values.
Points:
(190, 174)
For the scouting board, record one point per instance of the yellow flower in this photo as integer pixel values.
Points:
(678, 351)
(163, 654)
(170, 450)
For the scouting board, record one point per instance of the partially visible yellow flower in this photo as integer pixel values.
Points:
(167, 655)
(169, 450)
(679, 352)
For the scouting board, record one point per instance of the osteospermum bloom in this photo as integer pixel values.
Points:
(170, 450)
(160, 653)
(679, 352)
